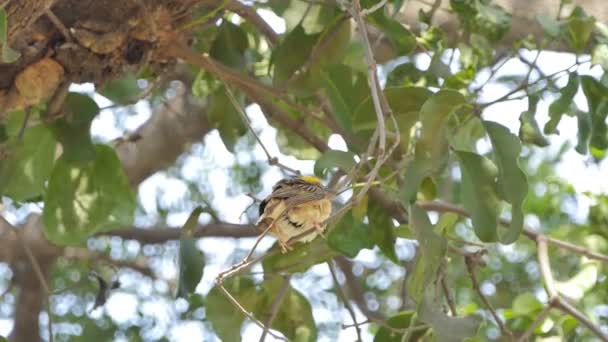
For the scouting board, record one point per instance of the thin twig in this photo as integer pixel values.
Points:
(274, 309)
(528, 232)
(237, 106)
(344, 299)
(525, 85)
(470, 264)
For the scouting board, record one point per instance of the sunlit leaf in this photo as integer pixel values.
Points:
(84, 199)
(34, 155)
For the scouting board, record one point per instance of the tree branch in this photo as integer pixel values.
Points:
(163, 234)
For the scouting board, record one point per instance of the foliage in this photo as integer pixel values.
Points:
(440, 225)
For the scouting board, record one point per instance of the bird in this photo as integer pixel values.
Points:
(296, 210)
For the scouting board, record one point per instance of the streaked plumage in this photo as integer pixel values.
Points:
(297, 208)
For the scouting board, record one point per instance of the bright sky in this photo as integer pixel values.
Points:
(123, 306)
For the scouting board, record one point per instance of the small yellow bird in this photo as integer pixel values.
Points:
(296, 210)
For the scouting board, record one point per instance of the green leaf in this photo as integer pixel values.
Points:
(432, 146)
(512, 183)
(122, 91)
(349, 236)
(299, 259)
(529, 131)
(317, 16)
(564, 104)
(434, 115)
(73, 130)
(383, 231)
(84, 199)
(406, 74)
(229, 46)
(402, 39)
(7, 55)
(34, 156)
(294, 318)
(446, 328)
(580, 27)
(401, 320)
(549, 25)
(8, 167)
(345, 161)
(483, 17)
(405, 103)
(479, 194)
(191, 259)
(584, 131)
(343, 84)
(300, 57)
(223, 116)
(599, 56)
(464, 137)
(597, 100)
(526, 304)
(225, 318)
(431, 251)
